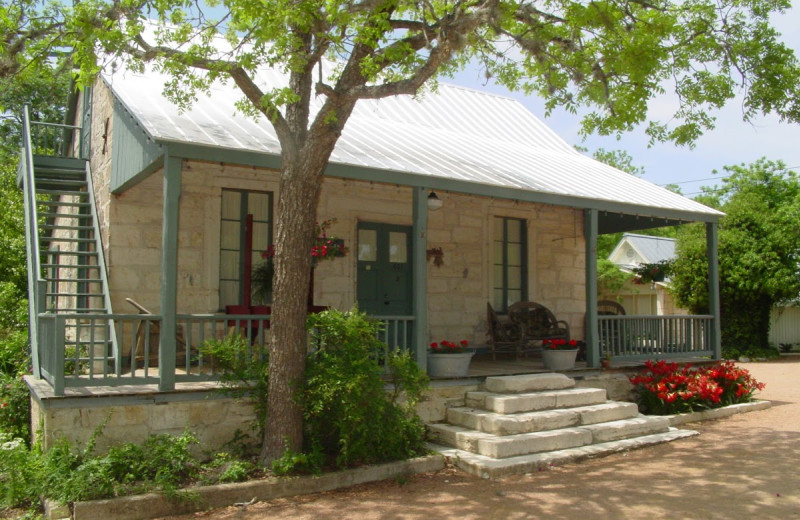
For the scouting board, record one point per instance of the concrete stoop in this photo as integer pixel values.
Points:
(520, 424)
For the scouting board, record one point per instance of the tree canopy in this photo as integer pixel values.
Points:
(759, 252)
(614, 56)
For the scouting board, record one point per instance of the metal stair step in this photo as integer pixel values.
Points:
(49, 183)
(75, 295)
(65, 215)
(526, 422)
(71, 253)
(49, 239)
(58, 227)
(60, 193)
(73, 280)
(79, 310)
(65, 204)
(532, 401)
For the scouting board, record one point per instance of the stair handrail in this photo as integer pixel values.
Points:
(101, 263)
(35, 281)
(60, 147)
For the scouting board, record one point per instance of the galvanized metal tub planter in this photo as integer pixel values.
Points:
(449, 365)
(559, 359)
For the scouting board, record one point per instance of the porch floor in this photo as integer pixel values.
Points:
(483, 366)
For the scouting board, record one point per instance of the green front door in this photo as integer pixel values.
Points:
(384, 269)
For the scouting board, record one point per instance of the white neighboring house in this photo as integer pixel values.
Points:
(634, 250)
(638, 298)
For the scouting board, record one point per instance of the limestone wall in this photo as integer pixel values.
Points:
(209, 415)
(457, 290)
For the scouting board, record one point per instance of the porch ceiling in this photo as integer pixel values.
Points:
(455, 139)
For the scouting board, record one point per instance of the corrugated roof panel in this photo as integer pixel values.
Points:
(652, 249)
(454, 133)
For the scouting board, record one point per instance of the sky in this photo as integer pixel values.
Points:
(732, 142)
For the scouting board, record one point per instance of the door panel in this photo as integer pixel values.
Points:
(384, 269)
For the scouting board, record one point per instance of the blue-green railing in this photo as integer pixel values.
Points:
(75, 350)
(655, 337)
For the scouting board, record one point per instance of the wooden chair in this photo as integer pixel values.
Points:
(538, 323)
(504, 335)
(148, 334)
(610, 308)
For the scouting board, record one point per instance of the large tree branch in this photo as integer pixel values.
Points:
(147, 52)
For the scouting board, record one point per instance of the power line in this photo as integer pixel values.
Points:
(784, 169)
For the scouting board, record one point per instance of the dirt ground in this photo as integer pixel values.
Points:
(745, 466)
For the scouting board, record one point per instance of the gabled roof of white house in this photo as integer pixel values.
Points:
(649, 249)
(455, 134)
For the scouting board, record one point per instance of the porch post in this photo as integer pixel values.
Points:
(419, 269)
(712, 252)
(169, 272)
(590, 236)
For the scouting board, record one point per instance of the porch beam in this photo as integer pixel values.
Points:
(169, 272)
(419, 269)
(590, 222)
(712, 253)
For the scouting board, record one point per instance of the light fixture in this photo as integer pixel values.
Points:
(434, 202)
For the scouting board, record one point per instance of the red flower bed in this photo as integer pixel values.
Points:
(665, 388)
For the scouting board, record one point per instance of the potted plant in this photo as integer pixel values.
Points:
(559, 354)
(605, 361)
(448, 359)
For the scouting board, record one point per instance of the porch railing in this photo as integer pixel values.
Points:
(650, 337)
(75, 350)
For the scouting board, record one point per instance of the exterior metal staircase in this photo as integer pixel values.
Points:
(521, 424)
(67, 243)
(66, 266)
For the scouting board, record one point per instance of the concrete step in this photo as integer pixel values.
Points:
(503, 446)
(488, 467)
(533, 401)
(528, 383)
(503, 424)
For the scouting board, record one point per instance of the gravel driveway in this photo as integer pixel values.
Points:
(746, 466)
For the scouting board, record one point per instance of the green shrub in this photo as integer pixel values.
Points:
(348, 413)
(243, 373)
(15, 407)
(21, 472)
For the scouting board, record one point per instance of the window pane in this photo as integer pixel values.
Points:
(260, 236)
(231, 205)
(229, 265)
(515, 278)
(498, 276)
(514, 228)
(398, 252)
(497, 301)
(515, 254)
(367, 245)
(229, 235)
(514, 296)
(228, 293)
(258, 206)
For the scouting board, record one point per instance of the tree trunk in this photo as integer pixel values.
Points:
(301, 182)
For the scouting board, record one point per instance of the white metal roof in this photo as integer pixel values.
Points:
(650, 249)
(454, 133)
